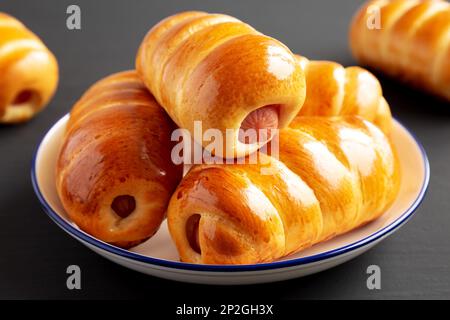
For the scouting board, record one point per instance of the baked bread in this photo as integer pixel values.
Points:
(218, 70)
(332, 90)
(412, 42)
(335, 174)
(28, 72)
(114, 172)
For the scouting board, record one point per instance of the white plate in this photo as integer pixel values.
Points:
(158, 256)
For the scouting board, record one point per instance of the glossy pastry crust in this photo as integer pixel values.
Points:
(114, 172)
(334, 175)
(412, 44)
(216, 69)
(28, 72)
(332, 90)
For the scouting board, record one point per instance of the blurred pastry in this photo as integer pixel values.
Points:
(411, 41)
(29, 72)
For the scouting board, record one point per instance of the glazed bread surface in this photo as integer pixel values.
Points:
(332, 90)
(218, 70)
(334, 175)
(412, 43)
(28, 72)
(114, 172)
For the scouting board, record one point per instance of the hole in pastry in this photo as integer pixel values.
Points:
(192, 232)
(25, 97)
(259, 124)
(123, 205)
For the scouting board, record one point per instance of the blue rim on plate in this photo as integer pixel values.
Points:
(233, 268)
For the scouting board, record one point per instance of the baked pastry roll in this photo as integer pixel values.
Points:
(410, 41)
(332, 90)
(218, 70)
(114, 174)
(28, 72)
(334, 175)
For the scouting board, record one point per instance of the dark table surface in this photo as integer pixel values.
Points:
(34, 252)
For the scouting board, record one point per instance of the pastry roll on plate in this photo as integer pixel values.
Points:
(217, 70)
(114, 173)
(333, 176)
(332, 90)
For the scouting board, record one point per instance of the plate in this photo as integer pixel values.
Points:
(158, 256)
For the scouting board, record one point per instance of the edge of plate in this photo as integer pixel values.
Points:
(232, 268)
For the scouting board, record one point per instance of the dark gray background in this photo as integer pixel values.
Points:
(34, 252)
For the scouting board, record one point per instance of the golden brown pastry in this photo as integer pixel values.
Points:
(411, 43)
(333, 90)
(335, 174)
(28, 72)
(218, 70)
(114, 172)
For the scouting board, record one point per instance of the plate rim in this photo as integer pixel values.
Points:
(129, 255)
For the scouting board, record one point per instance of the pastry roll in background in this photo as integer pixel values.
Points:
(218, 70)
(114, 172)
(334, 174)
(28, 72)
(407, 39)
